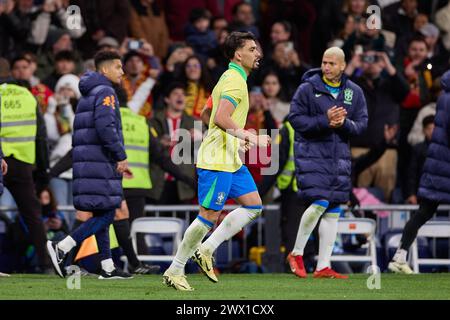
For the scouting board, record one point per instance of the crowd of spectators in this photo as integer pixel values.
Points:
(172, 58)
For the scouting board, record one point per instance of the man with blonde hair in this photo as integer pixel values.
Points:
(326, 111)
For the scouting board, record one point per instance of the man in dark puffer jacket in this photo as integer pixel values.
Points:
(99, 161)
(326, 111)
(434, 185)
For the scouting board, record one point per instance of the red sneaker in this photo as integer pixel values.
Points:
(296, 265)
(328, 273)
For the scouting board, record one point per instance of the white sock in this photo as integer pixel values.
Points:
(67, 244)
(191, 241)
(307, 225)
(327, 237)
(400, 255)
(108, 265)
(232, 224)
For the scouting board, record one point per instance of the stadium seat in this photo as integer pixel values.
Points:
(162, 237)
(362, 226)
(431, 229)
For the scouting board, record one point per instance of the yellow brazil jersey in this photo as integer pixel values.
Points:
(219, 150)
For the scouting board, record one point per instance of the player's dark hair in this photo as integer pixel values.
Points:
(104, 56)
(235, 41)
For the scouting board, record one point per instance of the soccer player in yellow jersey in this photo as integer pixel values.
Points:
(221, 174)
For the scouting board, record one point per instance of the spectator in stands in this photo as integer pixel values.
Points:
(14, 28)
(368, 39)
(31, 57)
(67, 95)
(177, 14)
(108, 43)
(22, 70)
(402, 41)
(218, 63)
(102, 18)
(59, 116)
(218, 24)
(53, 14)
(286, 62)
(147, 21)
(244, 19)
(281, 31)
(198, 84)
(416, 134)
(384, 88)
(198, 35)
(141, 71)
(178, 54)
(345, 32)
(355, 8)
(167, 190)
(399, 18)
(438, 56)
(417, 161)
(259, 117)
(420, 80)
(274, 95)
(54, 220)
(65, 63)
(57, 40)
(442, 19)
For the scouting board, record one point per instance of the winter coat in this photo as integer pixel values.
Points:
(322, 154)
(97, 146)
(435, 180)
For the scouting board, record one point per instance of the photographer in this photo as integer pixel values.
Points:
(384, 88)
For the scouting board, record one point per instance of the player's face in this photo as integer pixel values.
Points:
(113, 71)
(250, 55)
(332, 67)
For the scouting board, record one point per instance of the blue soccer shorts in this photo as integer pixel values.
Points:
(215, 187)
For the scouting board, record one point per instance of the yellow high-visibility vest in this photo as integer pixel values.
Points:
(137, 141)
(18, 123)
(288, 174)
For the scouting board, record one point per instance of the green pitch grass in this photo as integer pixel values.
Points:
(229, 287)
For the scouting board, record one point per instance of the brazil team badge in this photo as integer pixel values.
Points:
(348, 96)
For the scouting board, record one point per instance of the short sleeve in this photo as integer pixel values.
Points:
(233, 91)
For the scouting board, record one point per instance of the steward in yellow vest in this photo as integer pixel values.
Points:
(23, 138)
(291, 208)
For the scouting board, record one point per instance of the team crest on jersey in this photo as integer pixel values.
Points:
(348, 96)
(220, 198)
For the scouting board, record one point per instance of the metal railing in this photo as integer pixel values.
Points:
(187, 212)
